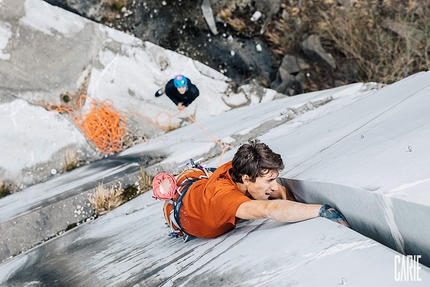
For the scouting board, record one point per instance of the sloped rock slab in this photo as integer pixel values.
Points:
(130, 247)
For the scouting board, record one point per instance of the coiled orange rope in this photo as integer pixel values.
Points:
(106, 126)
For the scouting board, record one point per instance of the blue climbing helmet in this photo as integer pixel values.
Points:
(180, 81)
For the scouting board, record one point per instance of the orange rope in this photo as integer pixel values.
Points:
(105, 126)
(223, 146)
(157, 124)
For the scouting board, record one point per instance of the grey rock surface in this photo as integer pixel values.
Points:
(35, 143)
(312, 48)
(290, 77)
(359, 148)
(209, 16)
(334, 153)
(257, 253)
(52, 60)
(95, 9)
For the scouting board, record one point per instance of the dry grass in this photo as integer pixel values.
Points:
(359, 35)
(281, 33)
(279, 38)
(105, 199)
(70, 160)
(131, 139)
(236, 23)
(4, 189)
(172, 127)
(381, 54)
(145, 181)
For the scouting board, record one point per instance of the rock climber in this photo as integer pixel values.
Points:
(247, 187)
(180, 90)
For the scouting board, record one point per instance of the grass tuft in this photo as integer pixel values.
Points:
(236, 23)
(173, 127)
(105, 199)
(145, 181)
(380, 41)
(7, 189)
(70, 160)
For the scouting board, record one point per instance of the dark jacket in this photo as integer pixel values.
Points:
(187, 98)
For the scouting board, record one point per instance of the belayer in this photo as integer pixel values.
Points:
(206, 205)
(180, 90)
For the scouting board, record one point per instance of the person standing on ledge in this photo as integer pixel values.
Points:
(180, 90)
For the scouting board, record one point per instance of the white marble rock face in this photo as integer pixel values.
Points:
(361, 149)
(49, 56)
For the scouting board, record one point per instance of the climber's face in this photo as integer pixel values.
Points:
(182, 90)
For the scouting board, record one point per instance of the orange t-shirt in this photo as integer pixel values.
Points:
(209, 207)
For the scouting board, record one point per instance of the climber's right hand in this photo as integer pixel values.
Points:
(332, 214)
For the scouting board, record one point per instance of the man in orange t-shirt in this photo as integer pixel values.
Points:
(240, 189)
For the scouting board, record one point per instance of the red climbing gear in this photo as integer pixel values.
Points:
(164, 186)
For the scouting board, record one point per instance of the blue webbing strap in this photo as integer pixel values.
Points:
(178, 203)
(174, 214)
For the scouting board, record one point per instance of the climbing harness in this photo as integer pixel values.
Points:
(174, 222)
(175, 212)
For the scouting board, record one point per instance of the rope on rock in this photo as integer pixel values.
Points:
(157, 124)
(106, 126)
(223, 146)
